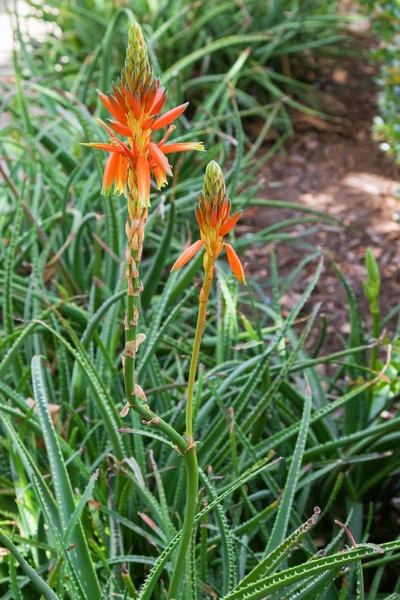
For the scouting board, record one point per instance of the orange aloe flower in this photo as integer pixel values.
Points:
(135, 105)
(215, 221)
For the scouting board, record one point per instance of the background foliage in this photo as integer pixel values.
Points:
(90, 507)
(385, 20)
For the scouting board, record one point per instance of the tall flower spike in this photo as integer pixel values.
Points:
(214, 220)
(213, 216)
(135, 104)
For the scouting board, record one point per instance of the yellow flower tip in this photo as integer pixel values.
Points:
(144, 201)
(182, 147)
(106, 191)
(161, 178)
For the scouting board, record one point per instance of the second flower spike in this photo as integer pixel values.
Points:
(214, 219)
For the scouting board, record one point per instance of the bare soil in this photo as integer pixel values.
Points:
(335, 166)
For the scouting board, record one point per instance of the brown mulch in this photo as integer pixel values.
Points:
(335, 166)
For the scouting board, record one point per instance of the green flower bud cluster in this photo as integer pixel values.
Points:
(137, 64)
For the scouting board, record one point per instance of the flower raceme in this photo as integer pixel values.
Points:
(215, 221)
(135, 105)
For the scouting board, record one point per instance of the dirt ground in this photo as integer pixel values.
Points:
(335, 166)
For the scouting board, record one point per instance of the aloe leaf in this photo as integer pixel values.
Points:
(229, 566)
(104, 402)
(272, 561)
(360, 582)
(62, 486)
(152, 276)
(355, 413)
(13, 578)
(229, 41)
(288, 432)
(75, 581)
(269, 585)
(154, 574)
(37, 581)
(31, 468)
(79, 508)
(285, 506)
(214, 436)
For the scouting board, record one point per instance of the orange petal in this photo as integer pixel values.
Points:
(119, 128)
(137, 105)
(223, 209)
(119, 108)
(143, 175)
(149, 122)
(113, 107)
(151, 96)
(169, 116)
(159, 101)
(129, 101)
(119, 96)
(159, 158)
(235, 263)
(105, 101)
(187, 255)
(230, 224)
(214, 215)
(108, 147)
(183, 147)
(110, 173)
(115, 139)
(199, 217)
(161, 143)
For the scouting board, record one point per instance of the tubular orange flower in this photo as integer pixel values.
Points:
(187, 255)
(235, 263)
(135, 105)
(182, 147)
(214, 220)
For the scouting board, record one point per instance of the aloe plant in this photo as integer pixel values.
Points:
(93, 504)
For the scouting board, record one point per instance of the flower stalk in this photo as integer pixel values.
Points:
(213, 216)
(135, 105)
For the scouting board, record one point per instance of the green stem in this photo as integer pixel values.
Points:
(375, 333)
(201, 320)
(192, 485)
(130, 337)
(129, 373)
(192, 476)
